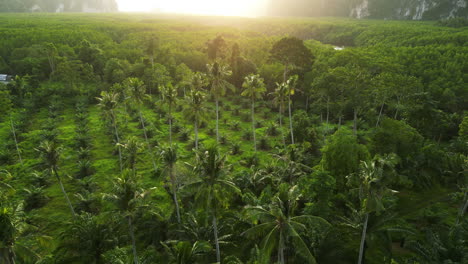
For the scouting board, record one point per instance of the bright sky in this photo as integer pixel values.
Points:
(203, 7)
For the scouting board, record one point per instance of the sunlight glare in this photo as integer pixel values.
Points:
(202, 7)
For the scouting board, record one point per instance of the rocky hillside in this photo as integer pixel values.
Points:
(58, 6)
(382, 9)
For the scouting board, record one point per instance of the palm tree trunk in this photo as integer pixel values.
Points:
(215, 232)
(64, 193)
(281, 249)
(355, 122)
(463, 209)
(217, 120)
(363, 239)
(170, 125)
(253, 125)
(16, 141)
(116, 131)
(196, 134)
(146, 139)
(290, 121)
(281, 123)
(328, 108)
(174, 192)
(380, 115)
(132, 235)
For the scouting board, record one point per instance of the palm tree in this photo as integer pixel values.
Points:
(132, 147)
(50, 154)
(278, 225)
(254, 88)
(169, 158)
(211, 189)
(279, 96)
(372, 178)
(138, 93)
(290, 88)
(12, 227)
(108, 103)
(218, 74)
(13, 132)
(184, 252)
(169, 96)
(128, 196)
(195, 109)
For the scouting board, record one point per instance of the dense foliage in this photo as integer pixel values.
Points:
(135, 139)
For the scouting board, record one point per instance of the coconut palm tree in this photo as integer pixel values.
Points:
(169, 96)
(50, 154)
(128, 197)
(195, 109)
(290, 88)
(279, 97)
(108, 103)
(218, 74)
(132, 147)
(169, 158)
(211, 189)
(278, 225)
(13, 132)
(12, 228)
(138, 93)
(254, 89)
(184, 252)
(372, 179)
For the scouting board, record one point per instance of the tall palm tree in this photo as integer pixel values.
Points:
(169, 96)
(13, 132)
(373, 178)
(218, 74)
(50, 154)
(211, 189)
(169, 158)
(254, 89)
(279, 96)
(138, 93)
(278, 225)
(195, 109)
(132, 147)
(128, 196)
(108, 103)
(290, 88)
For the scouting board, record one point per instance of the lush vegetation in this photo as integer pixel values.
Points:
(134, 139)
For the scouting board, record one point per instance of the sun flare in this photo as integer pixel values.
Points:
(202, 7)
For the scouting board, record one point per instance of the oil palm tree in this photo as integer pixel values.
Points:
(290, 89)
(138, 93)
(195, 110)
(279, 97)
(128, 197)
(50, 154)
(211, 189)
(169, 159)
(169, 96)
(218, 74)
(108, 102)
(254, 89)
(278, 225)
